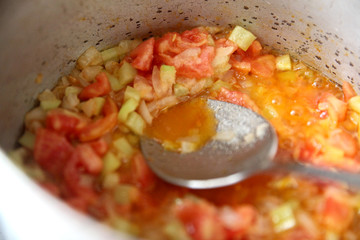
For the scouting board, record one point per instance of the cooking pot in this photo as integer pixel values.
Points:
(41, 40)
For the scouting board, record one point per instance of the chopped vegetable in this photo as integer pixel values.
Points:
(48, 100)
(131, 93)
(128, 107)
(125, 194)
(123, 146)
(111, 54)
(111, 163)
(91, 57)
(283, 63)
(180, 90)
(93, 106)
(136, 123)
(125, 74)
(242, 37)
(27, 140)
(354, 104)
(283, 217)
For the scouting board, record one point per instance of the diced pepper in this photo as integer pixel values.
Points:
(125, 194)
(283, 217)
(242, 37)
(354, 104)
(123, 146)
(114, 82)
(283, 63)
(180, 90)
(126, 74)
(110, 54)
(93, 106)
(111, 163)
(128, 107)
(136, 123)
(27, 140)
(111, 180)
(131, 92)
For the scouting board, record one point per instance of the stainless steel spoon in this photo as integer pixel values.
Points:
(245, 145)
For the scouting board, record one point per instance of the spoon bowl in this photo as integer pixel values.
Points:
(245, 145)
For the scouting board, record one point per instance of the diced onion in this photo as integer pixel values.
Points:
(91, 57)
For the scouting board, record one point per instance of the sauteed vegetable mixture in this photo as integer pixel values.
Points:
(82, 142)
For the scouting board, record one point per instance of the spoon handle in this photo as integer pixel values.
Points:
(351, 179)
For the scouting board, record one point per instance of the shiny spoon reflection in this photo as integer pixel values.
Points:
(245, 145)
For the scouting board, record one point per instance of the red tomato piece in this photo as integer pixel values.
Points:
(100, 127)
(195, 62)
(143, 55)
(237, 220)
(243, 66)
(254, 50)
(64, 122)
(109, 107)
(263, 66)
(343, 140)
(200, 220)
(52, 151)
(335, 108)
(78, 175)
(336, 211)
(142, 175)
(237, 97)
(100, 146)
(100, 87)
(348, 91)
(192, 38)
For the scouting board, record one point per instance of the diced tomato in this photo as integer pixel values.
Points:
(243, 66)
(223, 42)
(109, 107)
(100, 87)
(52, 151)
(194, 62)
(237, 220)
(88, 158)
(100, 146)
(84, 163)
(192, 38)
(200, 220)
(100, 127)
(64, 122)
(142, 174)
(343, 140)
(263, 66)
(336, 211)
(143, 86)
(335, 108)
(348, 91)
(254, 50)
(188, 52)
(143, 55)
(237, 97)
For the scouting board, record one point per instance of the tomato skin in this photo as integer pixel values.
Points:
(100, 127)
(64, 122)
(237, 97)
(143, 55)
(333, 107)
(263, 66)
(100, 87)
(52, 151)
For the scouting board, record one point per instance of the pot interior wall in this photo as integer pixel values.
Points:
(45, 37)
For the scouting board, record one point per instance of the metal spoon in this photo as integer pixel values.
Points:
(245, 145)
